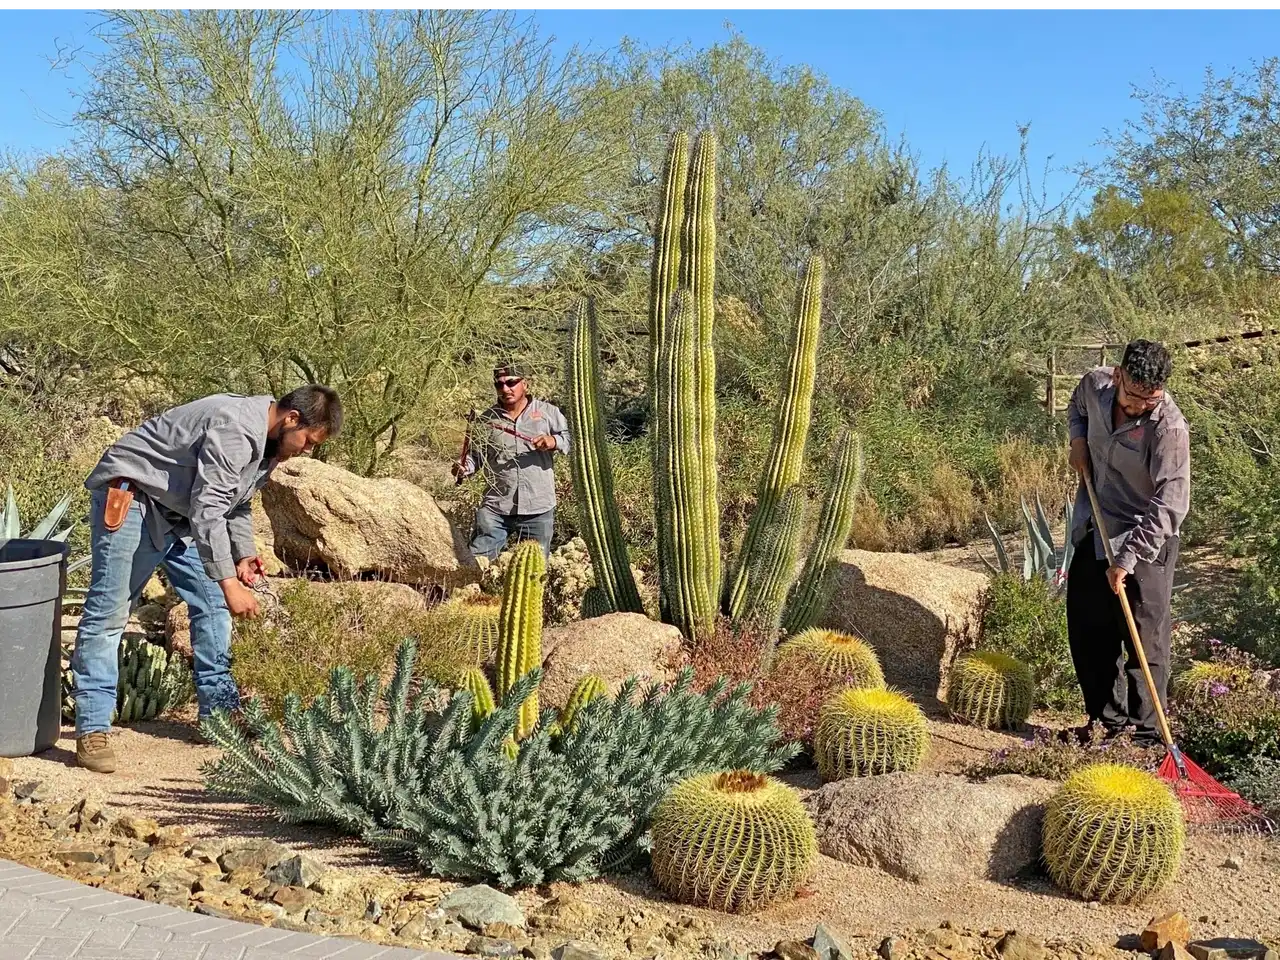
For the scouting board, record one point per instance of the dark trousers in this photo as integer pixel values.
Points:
(1107, 667)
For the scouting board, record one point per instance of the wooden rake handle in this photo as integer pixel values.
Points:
(1128, 616)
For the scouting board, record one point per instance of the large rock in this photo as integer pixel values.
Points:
(324, 515)
(933, 829)
(613, 647)
(264, 538)
(917, 613)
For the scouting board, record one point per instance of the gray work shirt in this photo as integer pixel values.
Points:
(197, 467)
(520, 478)
(1141, 470)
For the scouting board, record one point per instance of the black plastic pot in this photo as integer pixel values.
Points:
(33, 578)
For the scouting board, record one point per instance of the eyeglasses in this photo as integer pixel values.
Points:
(1146, 399)
(508, 383)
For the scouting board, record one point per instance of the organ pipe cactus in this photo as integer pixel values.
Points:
(520, 628)
(817, 582)
(775, 563)
(592, 471)
(790, 431)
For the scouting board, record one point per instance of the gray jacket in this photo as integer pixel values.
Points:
(520, 478)
(1141, 471)
(197, 467)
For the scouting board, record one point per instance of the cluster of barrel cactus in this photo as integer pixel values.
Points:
(863, 732)
(734, 841)
(693, 585)
(1114, 834)
(150, 682)
(990, 689)
(839, 656)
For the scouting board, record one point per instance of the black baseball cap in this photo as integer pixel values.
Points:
(510, 370)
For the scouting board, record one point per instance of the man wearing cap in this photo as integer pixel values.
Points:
(515, 440)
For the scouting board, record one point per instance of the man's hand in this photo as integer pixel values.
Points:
(457, 469)
(544, 442)
(248, 570)
(240, 599)
(1079, 456)
(1115, 577)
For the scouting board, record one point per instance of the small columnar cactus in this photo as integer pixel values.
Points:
(840, 656)
(150, 681)
(587, 689)
(476, 683)
(520, 628)
(990, 689)
(865, 732)
(1113, 833)
(734, 841)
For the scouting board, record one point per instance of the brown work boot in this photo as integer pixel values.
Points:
(93, 752)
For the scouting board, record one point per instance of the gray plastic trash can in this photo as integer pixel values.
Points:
(33, 577)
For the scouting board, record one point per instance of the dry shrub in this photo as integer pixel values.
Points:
(745, 655)
(1028, 470)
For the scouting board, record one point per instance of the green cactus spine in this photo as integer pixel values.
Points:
(813, 590)
(520, 628)
(790, 431)
(685, 598)
(775, 564)
(698, 275)
(596, 604)
(587, 689)
(733, 841)
(839, 656)
(865, 732)
(1114, 834)
(476, 683)
(592, 471)
(990, 689)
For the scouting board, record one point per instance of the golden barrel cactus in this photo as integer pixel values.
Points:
(1113, 833)
(733, 841)
(840, 656)
(990, 689)
(861, 733)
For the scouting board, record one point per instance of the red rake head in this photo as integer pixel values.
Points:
(1206, 802)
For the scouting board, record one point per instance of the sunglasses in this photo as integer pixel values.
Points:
(509, 382)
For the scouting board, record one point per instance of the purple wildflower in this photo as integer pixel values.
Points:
(1218, 689)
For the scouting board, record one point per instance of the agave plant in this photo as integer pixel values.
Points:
(1040, 556)
(46, 529)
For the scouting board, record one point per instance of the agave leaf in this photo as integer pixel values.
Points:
(9, 518)
(45, 527)
(1043, 522)
(82, 562)
(1028, 562)
(989, 565)
(1002, 557)
(1040, 552)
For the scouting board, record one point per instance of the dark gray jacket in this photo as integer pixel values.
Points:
(520, 478)
(197, 467)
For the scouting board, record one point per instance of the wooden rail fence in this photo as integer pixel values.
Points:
(1056, 397)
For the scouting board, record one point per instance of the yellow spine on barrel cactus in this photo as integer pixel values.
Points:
(990, 689)
(840, 656)
(1113, 833)
(733, 841)
(865, 732)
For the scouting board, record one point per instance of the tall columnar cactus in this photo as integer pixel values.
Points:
(775, 563)
(817, 582)
(665, 271)
(839, 656)
(520, 628)
(790, 431)
(734, 841)
(990, 689)
(685, 598)
(865, 732)
(1113, 833)
(698, 275)
(592, 471)
(596, 604)
(585, 690)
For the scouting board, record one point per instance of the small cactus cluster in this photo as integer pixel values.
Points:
(734, 841)
(1114, 834)
(840, 656)
(519, 651)
(865, 732)
(150, 682)
(989, 689)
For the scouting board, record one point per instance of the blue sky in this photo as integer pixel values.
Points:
(951, 81)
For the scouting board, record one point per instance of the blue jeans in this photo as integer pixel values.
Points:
(492, 530)
(123, 562)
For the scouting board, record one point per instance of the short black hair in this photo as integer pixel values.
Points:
(316, 406)
(1148, 363)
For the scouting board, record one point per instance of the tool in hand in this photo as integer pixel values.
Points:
(1204, 800)
(459, 473)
